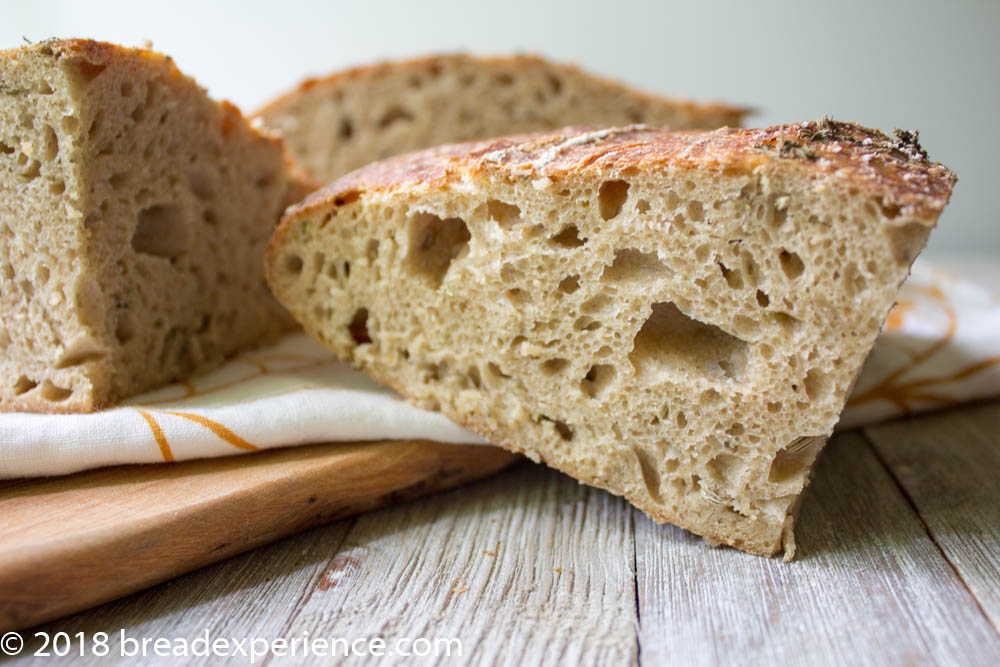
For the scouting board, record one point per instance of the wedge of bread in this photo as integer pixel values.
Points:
(674, 317)
(350, 118)
(133, 220)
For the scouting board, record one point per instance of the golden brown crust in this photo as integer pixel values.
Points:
(894, 170)
(431, 62)
(94, 52)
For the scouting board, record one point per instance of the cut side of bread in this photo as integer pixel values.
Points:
(133, 222)
(677, 318)
(350, 118)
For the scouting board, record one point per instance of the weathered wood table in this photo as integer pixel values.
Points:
(898, 563)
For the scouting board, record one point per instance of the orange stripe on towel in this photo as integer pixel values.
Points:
(161, 439)
(216, 428)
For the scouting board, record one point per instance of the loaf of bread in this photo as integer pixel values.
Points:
(133, 220)
(674, 317)
(350, 118)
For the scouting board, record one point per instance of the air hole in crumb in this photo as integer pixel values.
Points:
(56, 394)
(24, 385)
(434, 372)
(785, 321)
(791, 264)
(725, 468)
(777, 211)
(434, 243)
(792, 461)
(346, 129)
(474, 378)
(774, 406)
(506, 215)
(58, 187)
(319, 261)
(32, 172)
(510, 273)
(695, 211)
(762, 299)
(88, 71)
(161, 231)
(681, 420)
(569, 237)
(494, 371)
(394, 114)
(889, 210)
(125, 328)
(346, 197)
(555, 366)
(584, 323)
(200, 182)
(569, 285)
(517, 296)
(596, 304)
(650, 475)
(631, 264)
(597, 379)
(293, 264)
(642, 206)
(733, 276)
(817, 384)
(611, 198)
(50, 144)
(358, 327)
(906, 241)
(562, 428)
(670, 342)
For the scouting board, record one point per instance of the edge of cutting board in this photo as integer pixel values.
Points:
(73, 542)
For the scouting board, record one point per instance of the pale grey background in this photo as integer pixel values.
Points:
(928, 65)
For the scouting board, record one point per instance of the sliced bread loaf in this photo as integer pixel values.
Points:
(133, 220)
(350, 118)
(675, 317)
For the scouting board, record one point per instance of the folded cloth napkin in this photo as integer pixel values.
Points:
(939, 347)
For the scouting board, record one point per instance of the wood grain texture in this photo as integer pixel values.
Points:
(948, 466)
(522, 566)
(529, 568)
(868, 586)
(76, 541)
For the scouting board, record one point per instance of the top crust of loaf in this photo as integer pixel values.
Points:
(732, 113)
(95, 52)
(895, 170)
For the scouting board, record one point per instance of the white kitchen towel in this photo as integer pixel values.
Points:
(940, 346)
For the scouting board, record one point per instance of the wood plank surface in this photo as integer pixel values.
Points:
(528, 567)
(68, 543)
(949, 469)
(868, 586)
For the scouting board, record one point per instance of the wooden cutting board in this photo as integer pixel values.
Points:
(69, 543)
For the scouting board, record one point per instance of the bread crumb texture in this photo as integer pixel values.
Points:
(674, 317)
(133, 221)
(353, 117)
